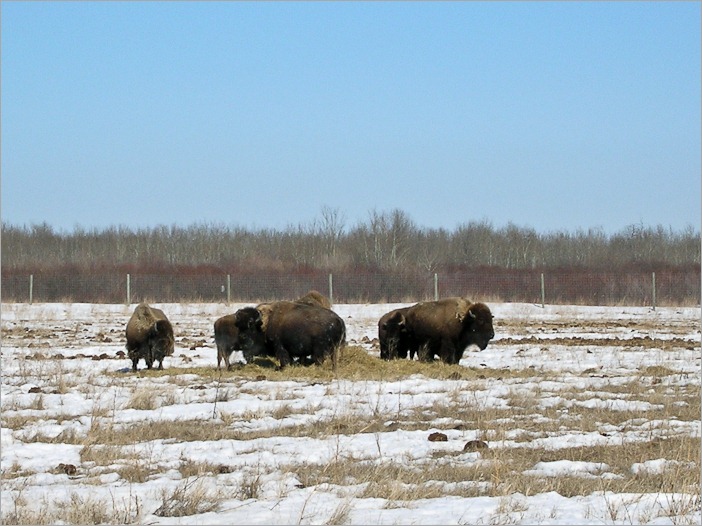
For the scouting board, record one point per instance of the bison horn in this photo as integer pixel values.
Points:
(470, 313)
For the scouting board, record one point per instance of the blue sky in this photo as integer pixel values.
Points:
(556, 116)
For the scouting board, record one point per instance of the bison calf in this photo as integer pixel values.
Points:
(149, 336)
(226, 336)
(229, 337)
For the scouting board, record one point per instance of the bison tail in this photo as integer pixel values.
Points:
(342, 337)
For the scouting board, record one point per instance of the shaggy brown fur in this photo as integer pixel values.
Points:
(315, 298)
(149, 336)
(226, 336)
(312, 298)
(392, 335)
(265, 310)
(288, 329)
(446, 327)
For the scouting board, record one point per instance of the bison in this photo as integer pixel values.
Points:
(226, 335)
(446, 327)
(393, 336)
(316, 299)
(288, 329)
(149, 336)
(226, 331)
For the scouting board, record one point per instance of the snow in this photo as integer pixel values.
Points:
(561, 468)
(578, 358)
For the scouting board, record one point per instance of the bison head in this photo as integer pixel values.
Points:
(478, 323)
(161, 338)
(251, 338)
(391, 328)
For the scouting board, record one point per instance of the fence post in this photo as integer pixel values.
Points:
(436, 287)
(31, 288)
(543, 292)
(229, 289)
(653, 292)
(331, 289)
(129, 291)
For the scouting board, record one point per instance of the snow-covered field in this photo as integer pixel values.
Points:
(590, 415)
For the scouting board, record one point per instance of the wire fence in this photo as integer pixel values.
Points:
(665, 286)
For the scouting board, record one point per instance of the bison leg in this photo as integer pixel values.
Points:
(401, 349)
(447, 352)
(318, 355)
(224, 353)
(149, 358)
(134, 354)
(282, 355)
(413, 350)
(227, 355)
(219, 358)
(425, 353)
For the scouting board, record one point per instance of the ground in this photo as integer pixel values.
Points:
(572, 415)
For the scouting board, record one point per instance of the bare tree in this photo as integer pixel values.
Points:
(387, 240)
(332, 229)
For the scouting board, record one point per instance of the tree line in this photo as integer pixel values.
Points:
(387, 241)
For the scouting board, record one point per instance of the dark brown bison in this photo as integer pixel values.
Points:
(227, 333)
(288, 329)
(316, 299)
(393, 336)
(446, 327)
(149, 336)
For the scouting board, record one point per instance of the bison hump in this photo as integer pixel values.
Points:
(315, 298)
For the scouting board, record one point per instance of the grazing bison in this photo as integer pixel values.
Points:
(393, 336)
(149, 336)
(288, 329)
(446, 327)
(316, 299)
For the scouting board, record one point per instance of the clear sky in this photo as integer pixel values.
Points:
(551, 115)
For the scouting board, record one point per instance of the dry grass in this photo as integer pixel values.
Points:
(105, 443)
(102, 435)
(501, 471)
(647, 415)
(190, 497)
(73, 509)
(354, 364)
(143, 399)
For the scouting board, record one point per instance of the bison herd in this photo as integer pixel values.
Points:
(308, 330)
